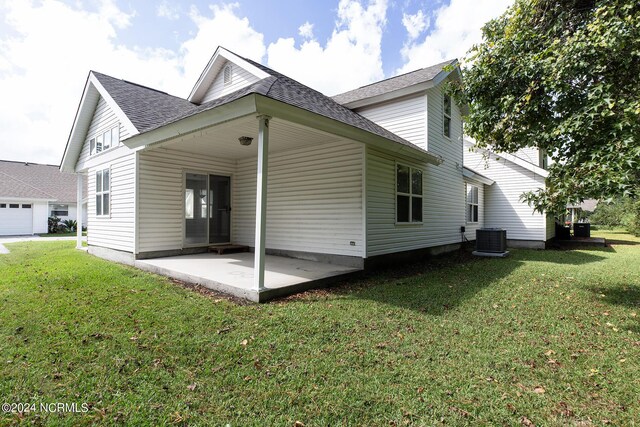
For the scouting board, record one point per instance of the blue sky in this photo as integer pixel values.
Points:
(47, 47)
(274, 21)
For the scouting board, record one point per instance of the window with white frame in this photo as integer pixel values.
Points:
(472, 203)
(59, 210)
(408, 194)
(103, 187)
(446, 109)
(105, 140)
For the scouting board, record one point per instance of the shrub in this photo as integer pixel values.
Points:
(634, 223)
(53, 225)
(614, 214)
(70, 224)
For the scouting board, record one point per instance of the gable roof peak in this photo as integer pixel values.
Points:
(213, 67)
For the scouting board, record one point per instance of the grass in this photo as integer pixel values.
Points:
(542, 337)
(65, 234)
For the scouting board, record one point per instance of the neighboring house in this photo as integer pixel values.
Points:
(30, 193)
(500, 202)
(255, 158)
(578, 212)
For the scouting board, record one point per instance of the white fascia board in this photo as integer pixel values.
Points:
(208, 74)
(239, 108)
(512, 158)
(105, 157)
(24, 200)
(301, 116)
(409, 90)
(468, 173)
(67, 164)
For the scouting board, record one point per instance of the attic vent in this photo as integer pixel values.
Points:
(227, 75)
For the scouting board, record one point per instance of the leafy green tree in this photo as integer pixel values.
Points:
(618, 213)
(563, 76)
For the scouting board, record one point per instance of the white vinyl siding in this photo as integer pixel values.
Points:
(314, 201)
(404, 117)
(161, 194)
(116, 230)
(240, 78)
(104, 119)
(443, 200)
(551, 227)
(503, 207)
(530, 154)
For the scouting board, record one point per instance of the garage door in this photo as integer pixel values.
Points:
(16, 218)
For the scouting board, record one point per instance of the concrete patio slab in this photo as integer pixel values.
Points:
(233, 273)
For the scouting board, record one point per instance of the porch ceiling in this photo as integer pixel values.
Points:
(222, 140)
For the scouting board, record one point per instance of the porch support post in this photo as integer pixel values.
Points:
(261, 201)
(79, 210)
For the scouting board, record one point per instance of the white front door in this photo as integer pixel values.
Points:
(16, 218)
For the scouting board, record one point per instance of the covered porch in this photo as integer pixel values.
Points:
(234, 274)
(274, 185)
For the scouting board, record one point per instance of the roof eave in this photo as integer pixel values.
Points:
(471, 174)
(275, 108)
(223, 113)
(405, 91)
(513, 159)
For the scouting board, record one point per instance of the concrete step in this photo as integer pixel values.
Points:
(228, 249)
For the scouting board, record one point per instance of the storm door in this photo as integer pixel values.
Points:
(219, 209)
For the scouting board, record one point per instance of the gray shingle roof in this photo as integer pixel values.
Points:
(36, 181)
(145, 107)
(391, 84)
(150, 109)
(587, 205)
(294, 93)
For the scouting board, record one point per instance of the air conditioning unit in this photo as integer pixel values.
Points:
(491, 242)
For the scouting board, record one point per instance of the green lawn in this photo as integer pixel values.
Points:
(65, 234)
(543, 337)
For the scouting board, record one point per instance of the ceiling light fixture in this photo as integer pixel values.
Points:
(245, 140)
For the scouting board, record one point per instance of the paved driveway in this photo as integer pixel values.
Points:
(14, 239)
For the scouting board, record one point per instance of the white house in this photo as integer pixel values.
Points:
(30, 193)
(255, 158)
(512, 175)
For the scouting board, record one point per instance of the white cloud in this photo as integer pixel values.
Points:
(169, 11)
(457, 27)
(223, 28)
(306, 30)
(45, 64)
(350, 58)
(49, 48)
(415, 24)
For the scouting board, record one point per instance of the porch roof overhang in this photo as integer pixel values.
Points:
(254, 104)
(509, 157)
(471, 174)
